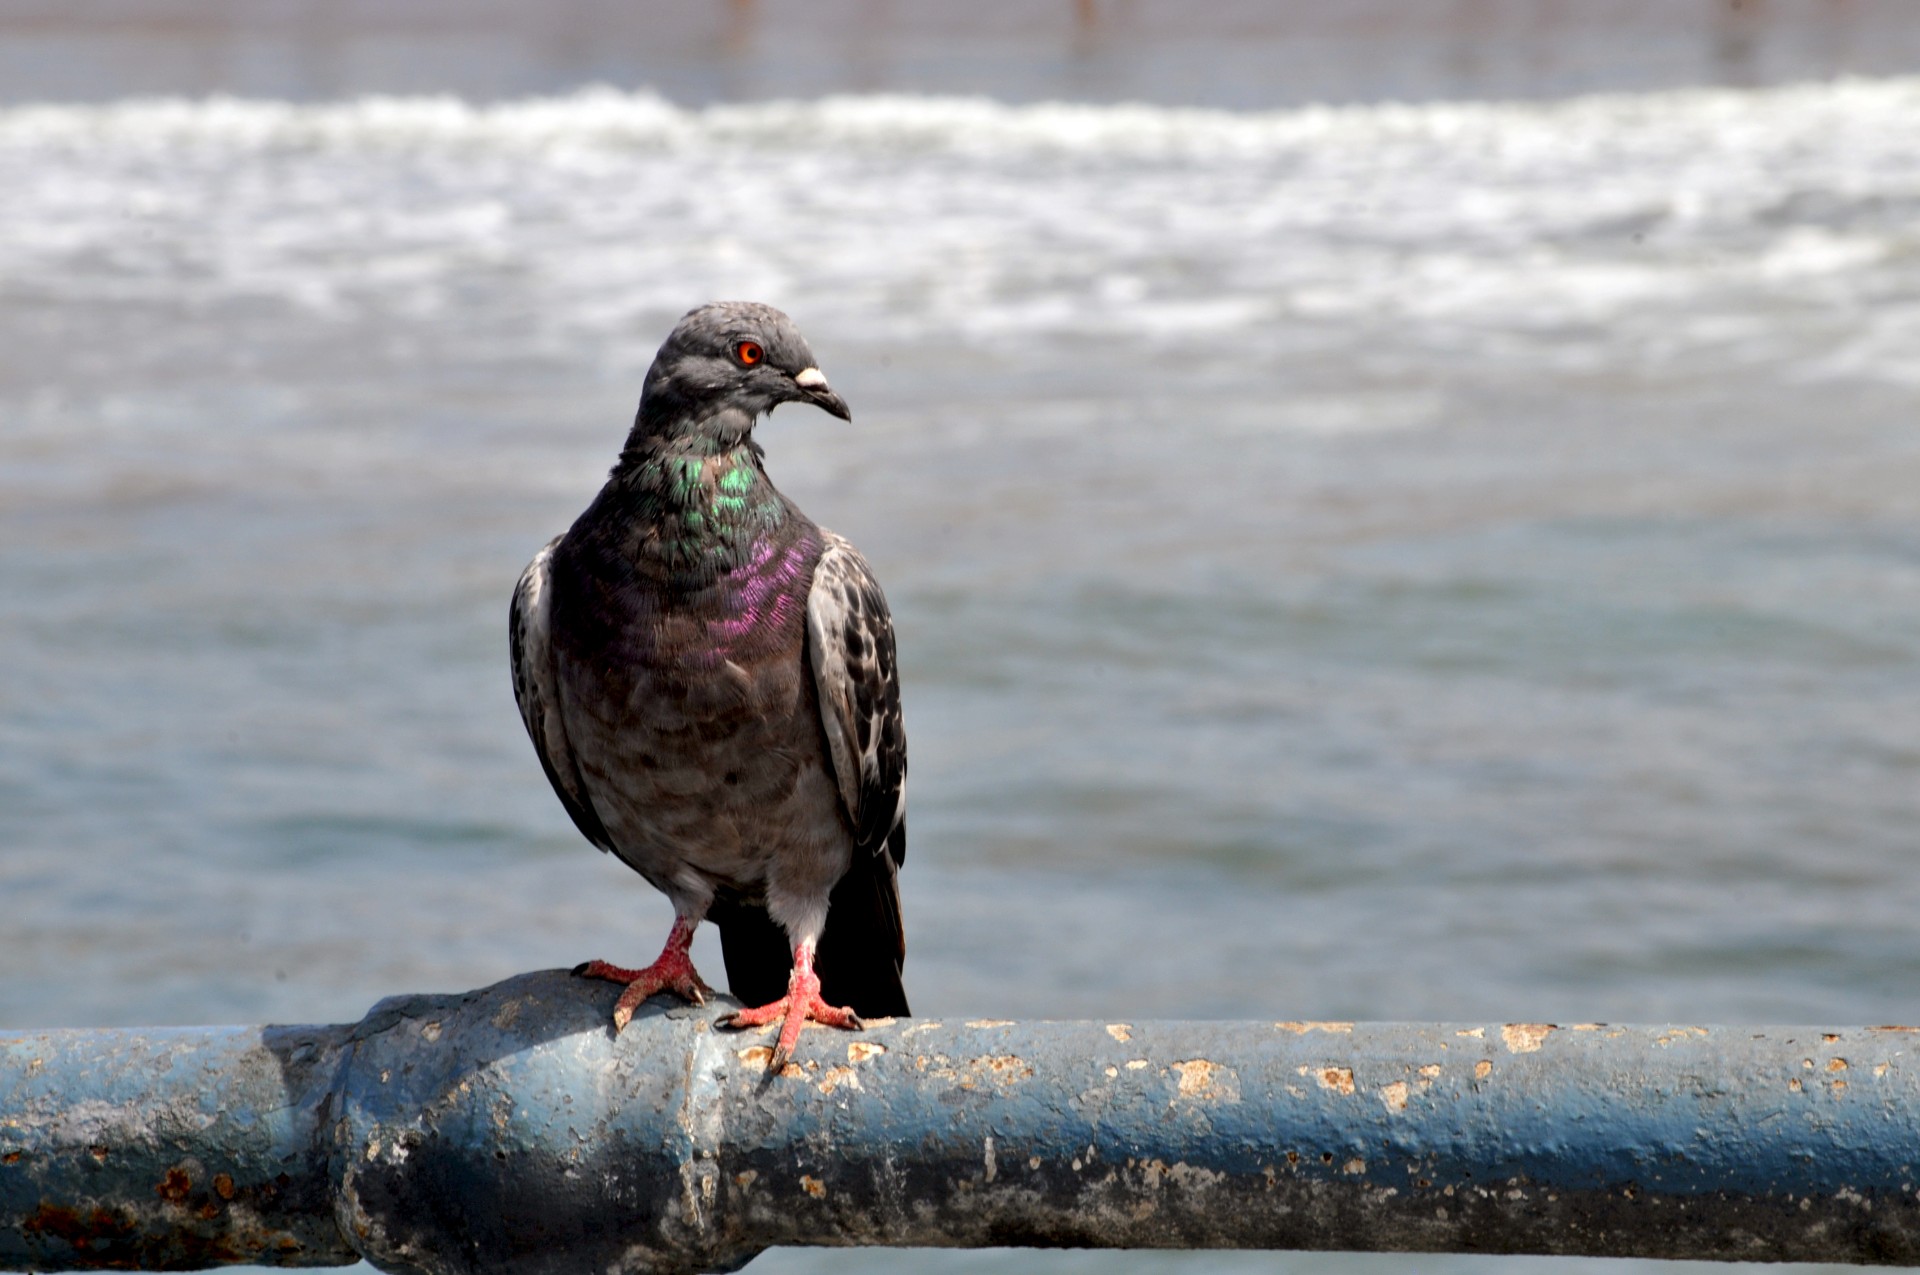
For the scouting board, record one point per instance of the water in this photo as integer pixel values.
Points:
(1404, 561)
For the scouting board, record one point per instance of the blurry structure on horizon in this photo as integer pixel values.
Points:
(1237, 55)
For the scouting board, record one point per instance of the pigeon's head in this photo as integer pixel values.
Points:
(727, 364)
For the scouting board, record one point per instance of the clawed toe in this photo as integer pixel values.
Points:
(672, 972)
(792, 1011)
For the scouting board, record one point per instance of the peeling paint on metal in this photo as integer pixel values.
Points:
(1525, 1038)
(834, 1077)
(548, 1146)
(1337, 1079)
(1203, 1080)
(164, 1148)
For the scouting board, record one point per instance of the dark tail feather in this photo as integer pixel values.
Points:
(757, 954)
(865, 943)
(861, 951)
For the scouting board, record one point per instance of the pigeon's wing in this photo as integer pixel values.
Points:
(530, 637)
(850, 649)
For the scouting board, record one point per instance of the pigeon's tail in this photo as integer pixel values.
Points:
(865, 943)
(758, 961)
(861, 950)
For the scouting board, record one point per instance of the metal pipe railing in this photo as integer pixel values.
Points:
(510, 1129)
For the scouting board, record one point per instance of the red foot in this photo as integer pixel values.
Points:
(672, 972)
(801, 1002)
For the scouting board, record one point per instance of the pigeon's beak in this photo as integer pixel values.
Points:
(820, 394)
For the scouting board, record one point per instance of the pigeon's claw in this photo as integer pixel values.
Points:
(802, 1002)
(664, 975)
(672, 972)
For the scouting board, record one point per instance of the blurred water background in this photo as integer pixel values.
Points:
(1401, 511)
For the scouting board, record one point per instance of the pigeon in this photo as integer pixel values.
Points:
(709, 680)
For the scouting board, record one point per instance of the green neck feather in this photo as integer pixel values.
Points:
(701, 512)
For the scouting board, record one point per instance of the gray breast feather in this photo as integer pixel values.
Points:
(535, 687)
(850, 648)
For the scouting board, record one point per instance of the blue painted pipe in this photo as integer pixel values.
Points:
(510, 1129)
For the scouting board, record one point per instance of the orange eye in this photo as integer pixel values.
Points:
(749, 353)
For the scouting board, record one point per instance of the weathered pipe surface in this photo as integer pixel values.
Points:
(167, 1148)
(508, 1129)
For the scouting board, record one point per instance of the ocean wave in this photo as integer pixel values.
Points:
(1671, 121)
(1771, 223)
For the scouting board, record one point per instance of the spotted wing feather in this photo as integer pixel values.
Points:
(530, 638)
(850, 649)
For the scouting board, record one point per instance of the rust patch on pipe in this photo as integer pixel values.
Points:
(1482, 1069)
(1394, 1096)
(1836, 1064)
(835, 1077)
(1205, 1081)
(813, 1186)
(1122, 1032)
(1338, 1079)
(1004, 1068)
(175, 1186)
(999, 1069)
(81, 1230)
(123, 1239)
(1301, 1029)
(752, 1055)
(860, 1051)
(1526, 1038)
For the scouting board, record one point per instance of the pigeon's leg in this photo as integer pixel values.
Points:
(672, 972)
(791, 1011)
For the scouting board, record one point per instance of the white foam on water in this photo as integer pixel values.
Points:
(1591, 232)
